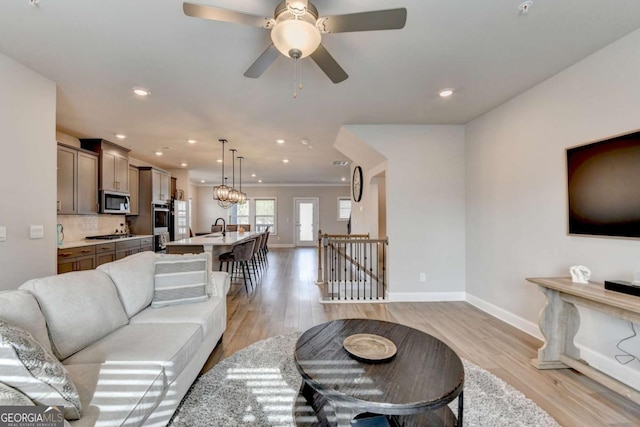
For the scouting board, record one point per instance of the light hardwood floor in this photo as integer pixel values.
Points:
(287, 300)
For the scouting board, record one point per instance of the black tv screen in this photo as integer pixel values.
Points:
(604, 187)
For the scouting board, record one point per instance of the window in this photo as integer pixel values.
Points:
(265, 215)
(344, 208)
(239, 214)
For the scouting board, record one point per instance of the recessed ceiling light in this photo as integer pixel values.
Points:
(344, 179)
(159, 153)
(259, 180)
(445, 93)
(253, 175)
(140, 91)
(191, 141)
(120, 136)
(202, 181)
(280, 141)
(304, 141)
(285, 160)
(219, 160)
(184, 165)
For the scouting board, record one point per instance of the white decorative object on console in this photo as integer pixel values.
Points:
(579, 274)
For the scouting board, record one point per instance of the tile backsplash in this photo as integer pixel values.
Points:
(77, 227)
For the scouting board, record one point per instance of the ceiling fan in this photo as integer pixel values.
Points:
(296, 31)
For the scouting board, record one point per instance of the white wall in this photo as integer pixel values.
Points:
(208, 209)
(516, 195)
(425, 215)
(27, 173)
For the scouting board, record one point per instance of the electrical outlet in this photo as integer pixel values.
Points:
(423, 277)
(3, 234)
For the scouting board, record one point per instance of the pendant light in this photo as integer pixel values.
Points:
(226, 204)
(234, 195)
(221, 192)
(243, 196)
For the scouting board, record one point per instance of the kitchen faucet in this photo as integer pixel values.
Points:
(224, 225)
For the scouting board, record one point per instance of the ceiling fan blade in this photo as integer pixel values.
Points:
(218, 14)
(262, 63)
(331, 68)
(392, 19)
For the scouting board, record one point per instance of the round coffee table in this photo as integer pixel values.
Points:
(411, 389)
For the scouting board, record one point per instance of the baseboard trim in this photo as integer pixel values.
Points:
(426, 296)
(506, 316)
(281, 245)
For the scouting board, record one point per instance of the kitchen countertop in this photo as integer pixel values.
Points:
(93, 242)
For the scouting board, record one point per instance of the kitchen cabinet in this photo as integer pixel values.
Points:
(105, 252)
(87, 183)
(90, 256)
(146, 244)
(161, 185)
(134, 190)
(114, 164)
(67, 178)
(76, 259)
(77, 181)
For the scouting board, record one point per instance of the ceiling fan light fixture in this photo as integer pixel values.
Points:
(296, 37)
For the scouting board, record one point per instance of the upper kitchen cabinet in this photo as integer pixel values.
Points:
(134, 190)
(155, 185)
(161, 185)
(77, 181)
(114, 164)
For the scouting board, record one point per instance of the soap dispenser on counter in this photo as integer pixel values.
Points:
(60, 233)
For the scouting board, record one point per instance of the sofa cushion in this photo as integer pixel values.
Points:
(21, 309)
(219, 282)
(118, 393)
(180, 279)
(205, 314)
(171, 345)
(79, 307)
(31, 369)
(133, 277)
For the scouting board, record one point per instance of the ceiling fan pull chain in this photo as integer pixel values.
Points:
(295, 78)
(300, 84)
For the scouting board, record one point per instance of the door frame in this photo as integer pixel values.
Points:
(316, 219)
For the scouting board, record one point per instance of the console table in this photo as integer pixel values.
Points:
(559, 322)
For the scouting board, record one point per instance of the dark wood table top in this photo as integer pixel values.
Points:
(425, 374)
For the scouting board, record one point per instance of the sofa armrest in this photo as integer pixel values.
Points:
(220, 281)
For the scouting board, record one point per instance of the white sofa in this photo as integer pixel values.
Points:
(131, 363)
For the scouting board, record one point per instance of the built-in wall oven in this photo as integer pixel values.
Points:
(160, 226)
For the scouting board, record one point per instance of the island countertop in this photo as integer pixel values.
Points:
(215, 239)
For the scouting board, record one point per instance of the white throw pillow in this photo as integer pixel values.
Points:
(29, 368)
(9, 396)
(180, 279)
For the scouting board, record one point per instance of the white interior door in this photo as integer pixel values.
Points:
(306, 221)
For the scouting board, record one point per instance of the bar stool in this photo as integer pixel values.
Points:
(241, 253)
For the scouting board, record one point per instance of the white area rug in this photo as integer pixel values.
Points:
(258, 386)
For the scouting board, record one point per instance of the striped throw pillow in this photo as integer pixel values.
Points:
(180, 279)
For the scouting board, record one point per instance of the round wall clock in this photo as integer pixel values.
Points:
(356, 184)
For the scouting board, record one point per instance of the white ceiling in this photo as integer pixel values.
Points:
(97, 50)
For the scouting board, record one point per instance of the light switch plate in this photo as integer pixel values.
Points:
(36, 231)
(3, 234)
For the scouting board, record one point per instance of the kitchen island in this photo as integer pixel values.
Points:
(214, 243)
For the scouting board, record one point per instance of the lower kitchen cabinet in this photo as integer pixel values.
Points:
(88, 257)
(105, 252)
(76, 259)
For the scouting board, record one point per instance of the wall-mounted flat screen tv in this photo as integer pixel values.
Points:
(604, 187)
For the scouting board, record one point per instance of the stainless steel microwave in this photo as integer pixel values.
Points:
(112, 202)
